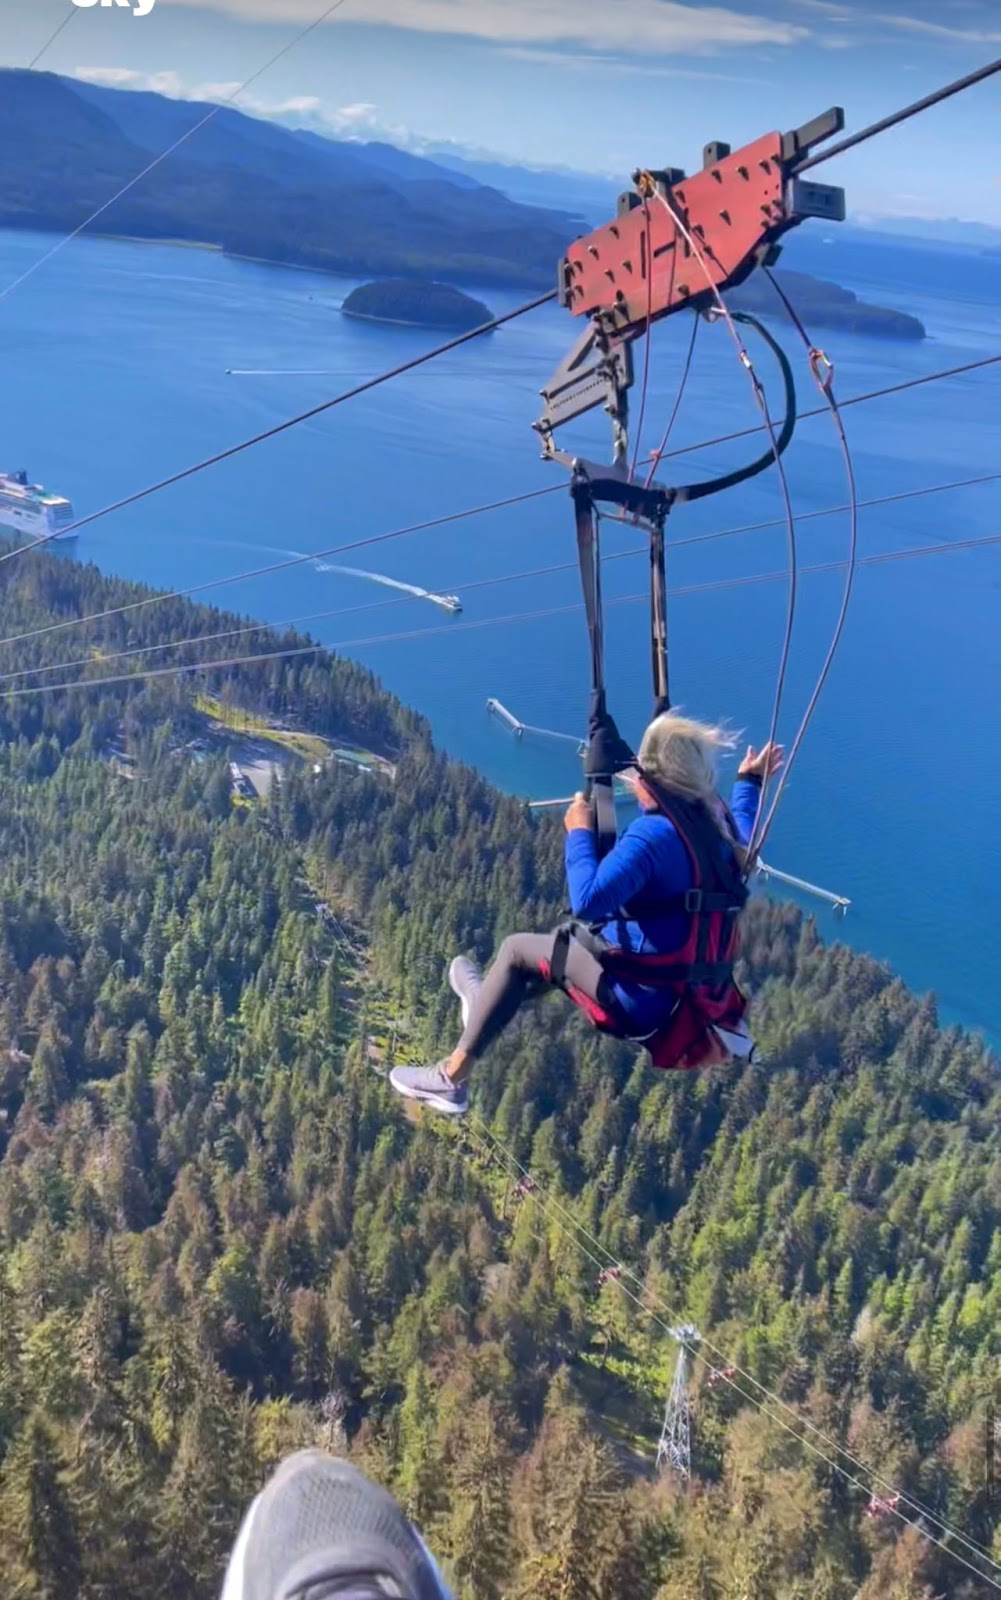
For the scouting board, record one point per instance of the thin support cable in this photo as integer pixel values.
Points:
(164, 154)
(655, 455)
(283, 427)
(50, 41)
(525, 575)
(644, 387)
(539, 494)
(762, 402)
(823, 373)
(517, 616)
(274, 566)
(953, 547)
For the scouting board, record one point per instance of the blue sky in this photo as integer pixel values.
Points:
(599, 85)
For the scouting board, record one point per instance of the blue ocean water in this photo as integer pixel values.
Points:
(117, 358)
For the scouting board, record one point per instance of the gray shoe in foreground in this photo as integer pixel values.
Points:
(465, 978)
(433, 1087)
(320, 1530)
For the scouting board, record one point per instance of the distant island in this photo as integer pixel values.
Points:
(824, 305)
(417, 304)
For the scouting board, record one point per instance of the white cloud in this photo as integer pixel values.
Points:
(212, 91)
(854, 11)
(569, 61)
(940, 30)
(171, 85)
(829, 8)
(359, 121)
(166, 83)
(365, 122)
(654, 27)
(364, 112)
(298, 105)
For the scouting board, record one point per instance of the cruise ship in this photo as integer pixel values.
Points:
(27, 509)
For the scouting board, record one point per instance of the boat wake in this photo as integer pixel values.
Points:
(375, 577)
(449, 602)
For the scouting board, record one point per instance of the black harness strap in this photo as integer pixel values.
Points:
(722, 886)
(561, 950)
(607, 751)
(572, 931)
(589, 557)
(592, 485)
(658, 617)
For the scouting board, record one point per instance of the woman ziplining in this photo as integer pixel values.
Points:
(649, 952)
(650, 959)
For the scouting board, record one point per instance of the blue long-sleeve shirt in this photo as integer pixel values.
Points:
(647, 866)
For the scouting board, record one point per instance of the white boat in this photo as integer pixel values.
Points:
(30, 511)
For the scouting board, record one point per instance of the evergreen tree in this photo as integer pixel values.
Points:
(38, 1517)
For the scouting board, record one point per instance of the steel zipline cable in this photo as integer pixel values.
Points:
(884, 393)
(711, 586)
(479, 584)
(275, 566)
(957, 86)
(459, 516)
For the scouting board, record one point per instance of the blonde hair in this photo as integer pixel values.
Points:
(681, 754)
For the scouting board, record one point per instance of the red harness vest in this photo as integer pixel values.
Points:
(700, 974)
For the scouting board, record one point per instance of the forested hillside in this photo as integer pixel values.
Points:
(221, 1237)
(253, 188)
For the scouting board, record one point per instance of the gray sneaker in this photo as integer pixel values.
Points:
(465, 979)
(433, 1087)
(319, 1529)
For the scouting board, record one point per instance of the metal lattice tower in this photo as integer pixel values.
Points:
(675, 1447)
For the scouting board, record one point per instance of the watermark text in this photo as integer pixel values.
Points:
(139, 8)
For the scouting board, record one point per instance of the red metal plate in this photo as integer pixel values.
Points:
(730, 208)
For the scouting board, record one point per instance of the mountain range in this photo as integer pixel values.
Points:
(255, 188)
(935, 230)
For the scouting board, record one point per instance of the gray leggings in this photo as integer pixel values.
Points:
(515, 976)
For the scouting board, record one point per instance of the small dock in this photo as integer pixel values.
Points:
(838, 901)
(621, 791)
(519, 728)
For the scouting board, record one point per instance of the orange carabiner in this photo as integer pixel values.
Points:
(822, 368)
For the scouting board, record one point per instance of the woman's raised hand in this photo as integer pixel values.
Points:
(762, 763)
